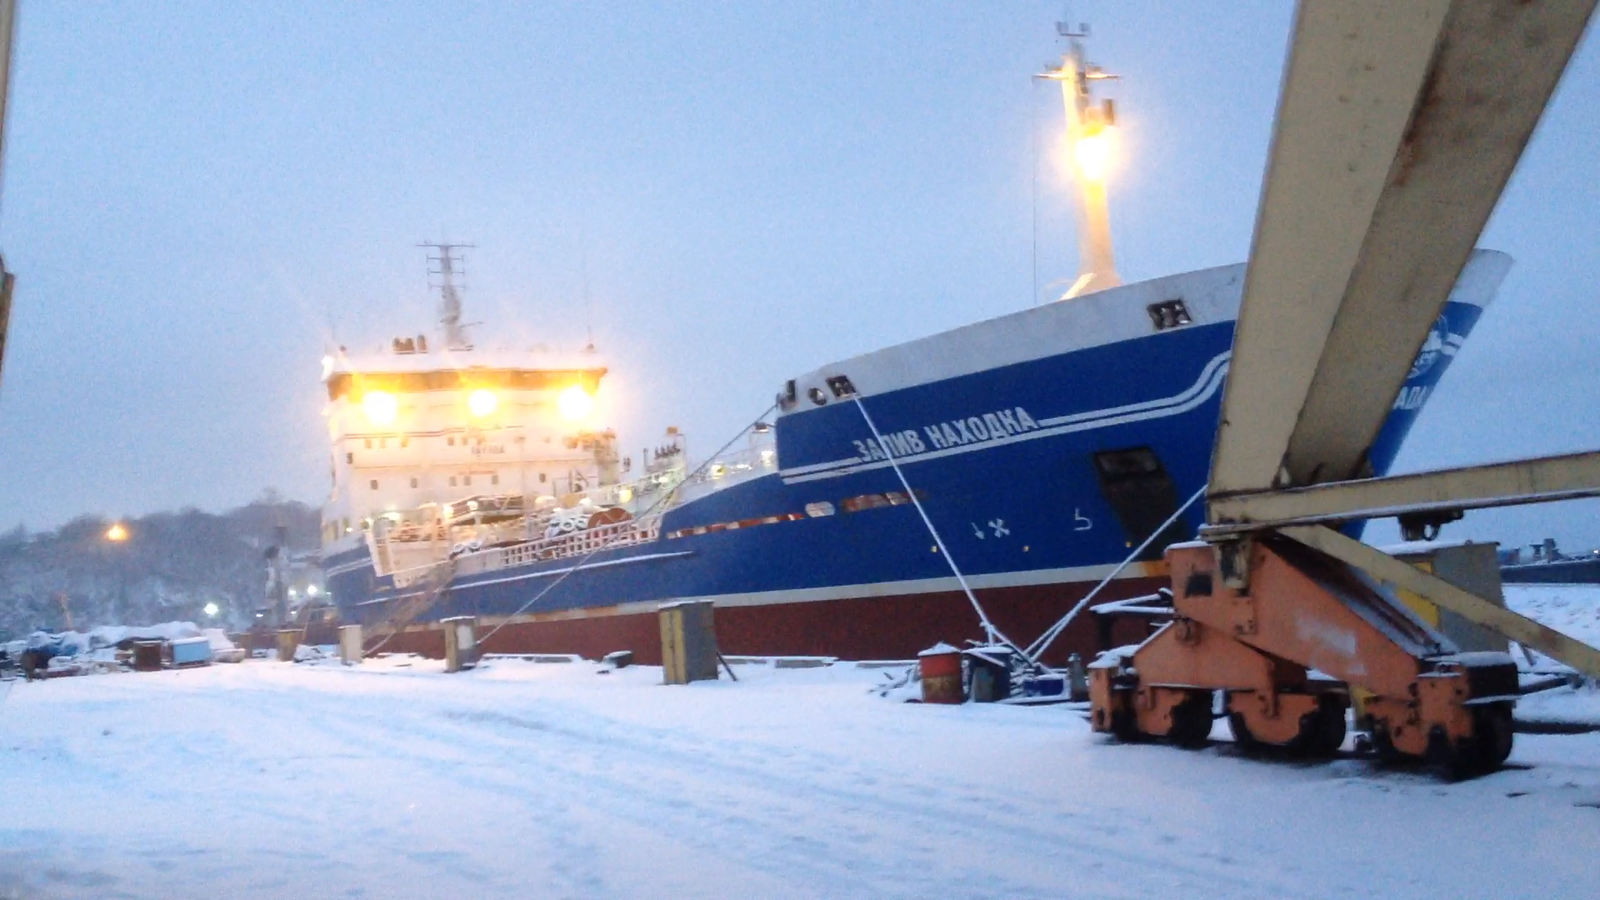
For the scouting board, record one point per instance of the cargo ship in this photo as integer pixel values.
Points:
(1007, 466)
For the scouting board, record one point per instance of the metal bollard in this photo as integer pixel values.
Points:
(1077, 678)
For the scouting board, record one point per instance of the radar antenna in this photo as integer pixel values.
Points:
(450, 264)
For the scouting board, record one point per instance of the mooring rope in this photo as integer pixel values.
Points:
(649, 511)
(994, 634)
(1036, 649)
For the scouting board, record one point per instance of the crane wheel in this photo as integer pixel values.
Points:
(1242, 738)
(1481, 753)
(1191, 721)
(1125, 726)
(1321, 732)
(1492, 734)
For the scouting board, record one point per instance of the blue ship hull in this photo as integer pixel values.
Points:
(1008, 460)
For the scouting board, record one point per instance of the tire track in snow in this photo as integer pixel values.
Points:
(705, 761)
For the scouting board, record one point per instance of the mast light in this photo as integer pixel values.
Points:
(1093, 153)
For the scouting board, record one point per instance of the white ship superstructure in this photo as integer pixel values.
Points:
(429, 438)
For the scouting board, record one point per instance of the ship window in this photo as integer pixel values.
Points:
(350, 458)
(841, 386)
(1169, 314)
(877, 501)
(863, 501)
(383, 443)
(1142, 495)
(413, 482)
(373, 483)
(541, 478)
(450, 440)
(494, 479)
(819, 509)
(369, 443)
(467, 480)
(405, 442)
(452, 481)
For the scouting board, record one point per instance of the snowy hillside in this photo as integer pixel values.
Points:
(170, 566)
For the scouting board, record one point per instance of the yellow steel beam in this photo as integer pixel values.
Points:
(1515, 483)
(1469, 606)
(1397, 130)
(8, 21)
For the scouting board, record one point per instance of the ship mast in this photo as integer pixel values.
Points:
(449, 262)
(1089, 135)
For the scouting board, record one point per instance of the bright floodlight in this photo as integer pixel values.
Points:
(211, 609)
(380, 406)
(116, 532)
(312, 590)
(1093, 153)
(575, 403)
(482, 402)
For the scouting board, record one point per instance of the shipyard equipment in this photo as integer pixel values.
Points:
(1397, 130)
(8, 281)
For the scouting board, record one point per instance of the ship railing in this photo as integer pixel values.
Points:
(576, 543)
(563, 546)
(627, 494)
(737, 466)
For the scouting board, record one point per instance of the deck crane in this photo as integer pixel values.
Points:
(1398, 127)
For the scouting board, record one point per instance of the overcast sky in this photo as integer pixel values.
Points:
(201, 197)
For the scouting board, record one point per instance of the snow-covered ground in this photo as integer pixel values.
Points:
(271, 779)
(1573, 610)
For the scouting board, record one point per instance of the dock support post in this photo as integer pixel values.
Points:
(460, 643)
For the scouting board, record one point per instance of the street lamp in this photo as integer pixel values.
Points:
(211, 609)
(117, 533)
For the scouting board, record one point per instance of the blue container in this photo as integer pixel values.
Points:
(1053, 685)
(191, 652)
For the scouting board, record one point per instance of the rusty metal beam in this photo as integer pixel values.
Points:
(1398, 128)
(1469, 606)
(1516, 483)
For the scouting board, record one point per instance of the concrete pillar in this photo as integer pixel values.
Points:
(350, 649)
(460, 643)
(288, 640)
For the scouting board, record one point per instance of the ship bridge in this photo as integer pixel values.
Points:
(410, 427)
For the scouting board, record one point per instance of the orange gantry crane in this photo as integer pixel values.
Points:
(1397, 130)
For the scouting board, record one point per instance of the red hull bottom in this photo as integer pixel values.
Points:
(895, 627)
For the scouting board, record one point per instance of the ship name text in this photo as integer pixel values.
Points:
(990, 426)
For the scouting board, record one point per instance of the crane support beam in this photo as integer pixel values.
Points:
(8, 281)
(1397, 130)
(1516, 483)
(1469, 606)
